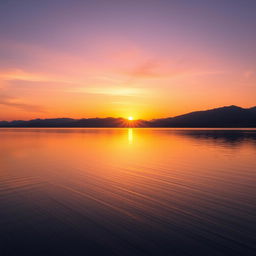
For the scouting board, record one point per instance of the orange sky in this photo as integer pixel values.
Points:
(123, 61)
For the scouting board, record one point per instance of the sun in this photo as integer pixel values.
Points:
(130, 118)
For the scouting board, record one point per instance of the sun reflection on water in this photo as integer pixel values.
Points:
(130, 135)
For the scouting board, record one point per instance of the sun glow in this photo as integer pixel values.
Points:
(130, 118)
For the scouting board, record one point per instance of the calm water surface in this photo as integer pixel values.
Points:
(127, 192)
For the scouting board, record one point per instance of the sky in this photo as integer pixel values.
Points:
(141, 58)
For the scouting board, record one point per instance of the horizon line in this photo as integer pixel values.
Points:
(126, 118)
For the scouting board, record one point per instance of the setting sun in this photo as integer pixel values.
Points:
(130, 118)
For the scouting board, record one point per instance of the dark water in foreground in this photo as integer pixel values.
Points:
(127, 192)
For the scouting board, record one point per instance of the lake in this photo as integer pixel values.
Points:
(135, 191)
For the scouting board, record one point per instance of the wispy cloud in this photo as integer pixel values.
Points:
(146, 69)
(128, 103)
(114, 91)
(161, 69)
(19, 74)
(17, 103)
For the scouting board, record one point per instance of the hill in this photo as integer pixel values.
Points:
(229, 116)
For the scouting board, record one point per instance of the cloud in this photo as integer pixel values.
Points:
(114, 91)
(19, 74)
(16, 103)
(128, 103)
(161, 69)
(147, 69)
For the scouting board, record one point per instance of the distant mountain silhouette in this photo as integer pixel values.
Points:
(229, 116)
(67, 122)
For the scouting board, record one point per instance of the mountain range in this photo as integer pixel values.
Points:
(228, 116)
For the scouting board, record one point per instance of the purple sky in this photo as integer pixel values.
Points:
(138, 58)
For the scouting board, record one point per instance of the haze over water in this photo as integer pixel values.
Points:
(127, 192)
